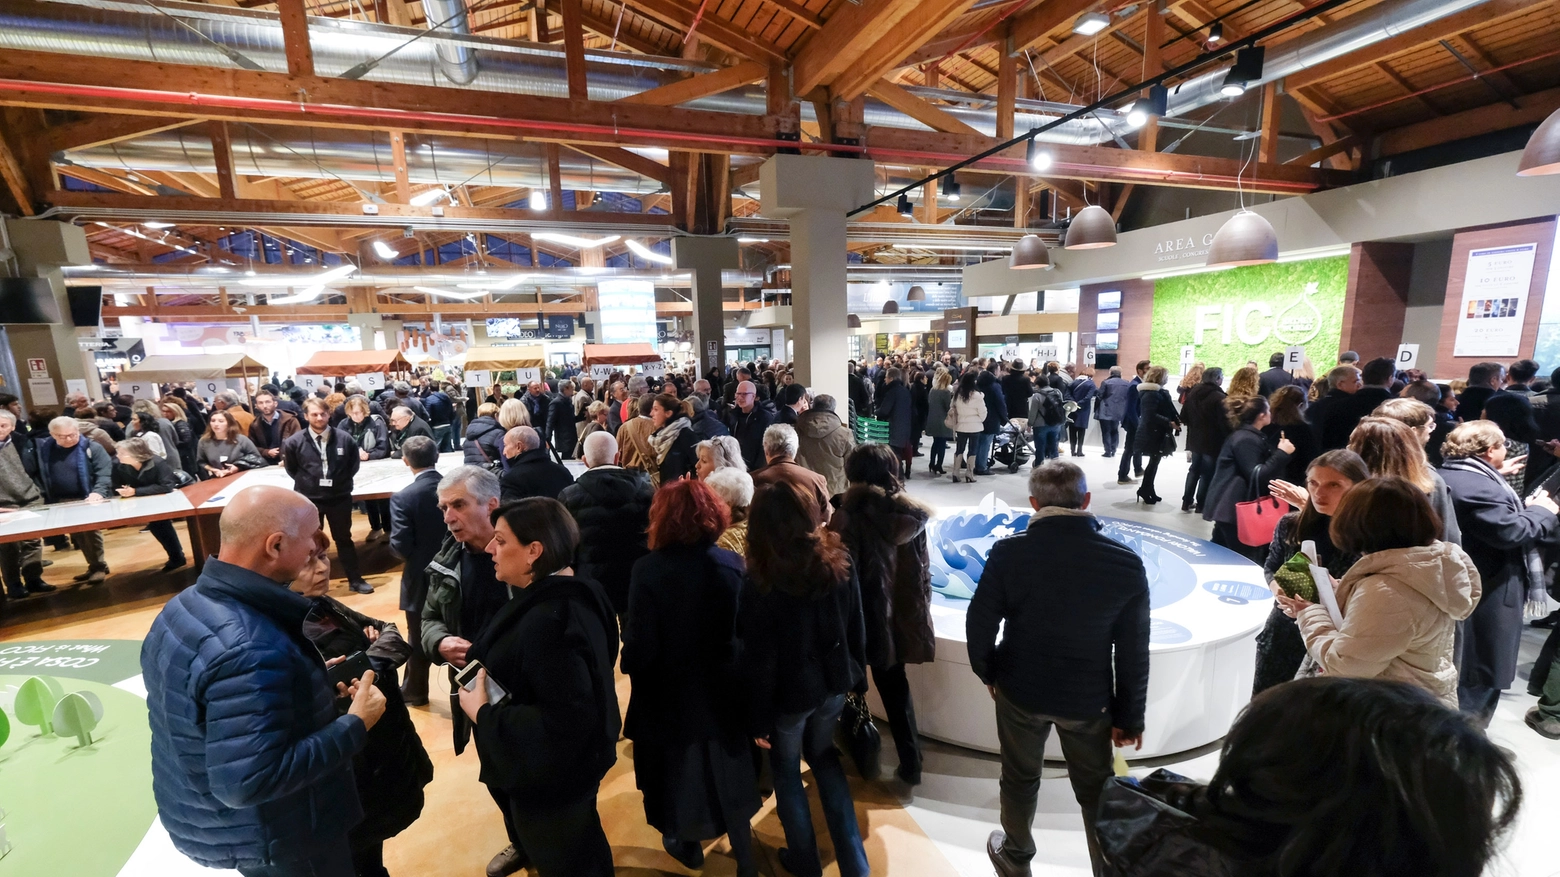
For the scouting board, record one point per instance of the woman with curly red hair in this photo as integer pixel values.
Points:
(804, 647)
(691, 756)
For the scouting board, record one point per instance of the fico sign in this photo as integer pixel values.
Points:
(1253, 322)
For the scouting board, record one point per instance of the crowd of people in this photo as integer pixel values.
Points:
(748, 566)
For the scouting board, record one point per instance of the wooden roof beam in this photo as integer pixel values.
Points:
(679, 15)
(702, 85)
(845, 38)
(904, 37)
(103, 129)
(632, 161)
(1532, 108)
(927, 114)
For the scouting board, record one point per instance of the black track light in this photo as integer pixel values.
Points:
(905, 209)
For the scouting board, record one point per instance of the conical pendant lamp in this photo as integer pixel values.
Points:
(1244, 239)
(853, 322)
(916, 293)
(1542, 155)
(1091, 229)
(891, 307)
(1030, 252)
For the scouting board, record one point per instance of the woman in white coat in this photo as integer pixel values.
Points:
(967, 417)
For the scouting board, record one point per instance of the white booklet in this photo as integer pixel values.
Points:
(1324, 584)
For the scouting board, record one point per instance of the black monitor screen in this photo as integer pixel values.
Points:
(27, 300)
(86, 305)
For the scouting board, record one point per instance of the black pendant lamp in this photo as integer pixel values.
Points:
(1030, 252)
(1542, 155)
(891, 307)
(916, 293)
(1244, 239)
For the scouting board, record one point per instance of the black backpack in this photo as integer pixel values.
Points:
(1051, 410)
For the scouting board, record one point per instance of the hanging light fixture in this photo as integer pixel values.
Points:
(1039, 157)
(1247, 69)
(1216, 32)
(1153, 106)
(1244, 239)
(916, 293)
(905, 209)
(1542, 155)
(952, 189)
(853, 322)
(1091, 229)
(1091, 23)
(891, 307)
(1030, 252)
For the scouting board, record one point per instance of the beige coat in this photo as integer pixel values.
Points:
(1400, 612)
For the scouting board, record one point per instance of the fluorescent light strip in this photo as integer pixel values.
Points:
(336, 273)
(423, 199)
(647, 254)
(449, 293)
(307, 295)
(571, 240)
(385, 251)
(951, 247)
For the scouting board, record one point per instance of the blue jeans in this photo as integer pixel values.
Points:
(811, 734)
(983, 452)
(1048, 441)
(939, 452)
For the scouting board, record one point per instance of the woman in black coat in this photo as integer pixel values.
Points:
(885, 531)
(1207, 425)
(1157, 417)
(484, 442)
(547, 730)
(673, 439)
(691, 756)
(140, 472)
(1280, 650)
(1288, 406)
(920, 406)
(1501, 536)
(393, 766)
(803, 649)
(1246, 464)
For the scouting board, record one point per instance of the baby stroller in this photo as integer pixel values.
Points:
(1010, 448)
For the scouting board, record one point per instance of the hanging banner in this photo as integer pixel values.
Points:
(1494, 301)
(315, 382)
(654, 369)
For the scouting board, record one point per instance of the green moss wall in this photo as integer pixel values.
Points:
(1296, 313)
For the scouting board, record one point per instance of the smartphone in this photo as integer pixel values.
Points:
(467, 677)
(352, 668)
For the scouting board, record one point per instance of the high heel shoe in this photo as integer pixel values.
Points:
(1148, 498)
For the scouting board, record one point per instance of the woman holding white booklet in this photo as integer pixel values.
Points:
(1400, 601)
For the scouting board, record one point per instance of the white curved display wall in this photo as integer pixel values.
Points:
(1208, 604)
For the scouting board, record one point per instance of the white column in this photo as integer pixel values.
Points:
(706, 257)
(815, 192)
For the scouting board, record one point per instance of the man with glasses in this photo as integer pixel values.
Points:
(747, 421)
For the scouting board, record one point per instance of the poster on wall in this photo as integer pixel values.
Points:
(1247, 314)
(1494, 301)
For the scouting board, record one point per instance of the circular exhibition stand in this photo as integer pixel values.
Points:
(1207, 606)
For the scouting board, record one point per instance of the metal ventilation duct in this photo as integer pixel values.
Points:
(457, 62)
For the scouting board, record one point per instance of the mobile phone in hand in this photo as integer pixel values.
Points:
(352, 668)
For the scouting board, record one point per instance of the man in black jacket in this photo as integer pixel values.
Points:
(538, 403)
(560, 419)
(1333, 416)
(1275, 378)
(1484, 381)
(996, 415)
(532, 471)
(1074, 654)
(322, 461)
(416, 532)
(747, 422)
(612, 507)
(405, 424)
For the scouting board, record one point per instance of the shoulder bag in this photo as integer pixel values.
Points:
(1257, 518)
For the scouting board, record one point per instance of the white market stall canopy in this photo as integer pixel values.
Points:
(500, 359)
(206, 366)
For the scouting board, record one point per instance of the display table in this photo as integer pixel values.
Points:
(375, 479)
(1208, 604)
(37, 522)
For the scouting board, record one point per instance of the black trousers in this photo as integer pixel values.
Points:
(1198, 478)
(337, 515)
(369, 860)
(563, 841)
(378, 511)
(417, 666)
(168, 538)
(1129, 454)
(1147, 487)
(894, 689)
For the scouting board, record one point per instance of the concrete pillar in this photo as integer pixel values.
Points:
(41, 249)
(814, 192)
(706, 257)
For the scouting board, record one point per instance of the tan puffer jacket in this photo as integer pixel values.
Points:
(1400, 609)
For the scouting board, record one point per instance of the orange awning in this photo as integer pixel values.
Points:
(619, 354)
(339, 363)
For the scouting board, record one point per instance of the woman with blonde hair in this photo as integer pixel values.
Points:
(596, 421)
(1502, 534)
(1192, 378)
(513, 413)
(714, 454)
(172, 409)
(1246, 382)
(938, 400)
(1389, 447)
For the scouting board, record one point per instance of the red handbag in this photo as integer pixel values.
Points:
(1256, 519)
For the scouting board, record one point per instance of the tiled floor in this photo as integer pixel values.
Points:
(940, 829)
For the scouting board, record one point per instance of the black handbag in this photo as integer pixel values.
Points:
(1167, 444)
(862, 739)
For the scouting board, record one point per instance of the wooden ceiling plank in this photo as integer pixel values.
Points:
(1532, 108)
(1482, 14)
(845, 38)
(101, 130)
(222, 152)
(889, 52)
(798, 12)
(106, 180)
(702, 85)
(574, 49)
(680, 15)
(624, 34)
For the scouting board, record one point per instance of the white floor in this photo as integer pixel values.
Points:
(956, 804)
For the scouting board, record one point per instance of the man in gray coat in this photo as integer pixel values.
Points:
(823, 441)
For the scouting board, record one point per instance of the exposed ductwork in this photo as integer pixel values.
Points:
(456, 61)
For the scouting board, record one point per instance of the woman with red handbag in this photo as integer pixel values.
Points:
(1243, 515)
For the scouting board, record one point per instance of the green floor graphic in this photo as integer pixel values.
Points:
(71, 809)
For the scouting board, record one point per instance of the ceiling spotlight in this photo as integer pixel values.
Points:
(951, 189)
(1247, 71)
(916, 293)
(746, 240)
(1091, 23)
(905, 209)
(1039, 157)
(307, 295)
(336, 273)
(384, 250)
(1137, 117)
(538, 200)
(1151, 106)
(1030, 252)
(1216, 32)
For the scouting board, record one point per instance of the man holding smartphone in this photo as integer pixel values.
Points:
(245, 734)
